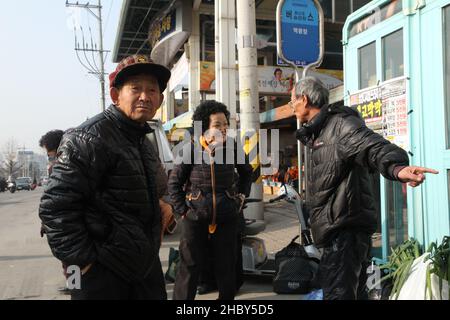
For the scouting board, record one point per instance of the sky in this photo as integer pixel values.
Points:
(42, 84)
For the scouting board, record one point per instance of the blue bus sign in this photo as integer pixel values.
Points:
(299, 32)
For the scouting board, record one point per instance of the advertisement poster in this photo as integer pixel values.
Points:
(271, 79)
(385, 110)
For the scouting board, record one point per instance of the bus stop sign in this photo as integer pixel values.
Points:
(298, 28)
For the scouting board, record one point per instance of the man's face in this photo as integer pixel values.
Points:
(139, 98)
(299, 108)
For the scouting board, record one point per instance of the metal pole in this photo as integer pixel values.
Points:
(102, 63)
(194, 55)
(226, 56)
(249, 102)
(317, 63)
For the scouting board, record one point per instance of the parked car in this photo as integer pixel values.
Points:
(3, 185)
(23, 183)
(161, 144)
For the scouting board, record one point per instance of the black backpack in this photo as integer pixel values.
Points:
(294, 269)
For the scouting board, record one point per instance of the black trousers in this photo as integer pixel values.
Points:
(100, 283)
(194, 252)
(343, 267)
(207, 277)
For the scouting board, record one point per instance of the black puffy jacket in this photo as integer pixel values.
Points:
(101, 201)
(190, 182)
(343, 153)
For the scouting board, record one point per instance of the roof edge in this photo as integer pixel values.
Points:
(121, 26)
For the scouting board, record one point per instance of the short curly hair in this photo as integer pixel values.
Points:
(207, 108)
(51, 140)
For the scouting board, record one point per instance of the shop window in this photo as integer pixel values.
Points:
(367, 66)
(393, 66)
(447, 70)
(396, 212)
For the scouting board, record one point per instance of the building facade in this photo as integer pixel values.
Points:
(397, 74)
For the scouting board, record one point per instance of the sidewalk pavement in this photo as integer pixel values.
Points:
(282, 226)
(29, 271)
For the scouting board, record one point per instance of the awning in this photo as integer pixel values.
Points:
(182, 121)
(134, 23)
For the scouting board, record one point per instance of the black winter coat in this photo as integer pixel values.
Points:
(101, 200)
(344, 152)
(190, 182)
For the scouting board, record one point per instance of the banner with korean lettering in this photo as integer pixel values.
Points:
(384, 109)
(300, 32)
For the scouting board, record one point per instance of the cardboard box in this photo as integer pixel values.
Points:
(267, 190)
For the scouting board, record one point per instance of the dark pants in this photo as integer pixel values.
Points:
(194, 243)
(343, 267)
(207, 277)
(100, 283)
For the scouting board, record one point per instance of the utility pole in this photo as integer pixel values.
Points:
(249, 102)
(97, 71)
(225, 22)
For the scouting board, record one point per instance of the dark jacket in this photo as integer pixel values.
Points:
(190, 182)
(101, 200)
(344, 152)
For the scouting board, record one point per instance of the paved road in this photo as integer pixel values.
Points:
(29, 271)
(27, 268)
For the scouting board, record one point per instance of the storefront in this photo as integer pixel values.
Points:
(397, 75)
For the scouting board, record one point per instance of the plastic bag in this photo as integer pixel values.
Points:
(174, 259)
(315, 295)
(415, 285)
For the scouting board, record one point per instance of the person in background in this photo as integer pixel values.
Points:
(50, 142)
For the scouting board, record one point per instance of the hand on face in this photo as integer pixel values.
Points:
(414, 176)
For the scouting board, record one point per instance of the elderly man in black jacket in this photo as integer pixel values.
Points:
(340, 197)
(100, 209)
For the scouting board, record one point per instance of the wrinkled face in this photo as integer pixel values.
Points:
(139, 98)
(298, 106)
(218, 125)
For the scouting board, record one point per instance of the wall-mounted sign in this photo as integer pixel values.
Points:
(169, 33)
(271, 79)
(384, 109)
(163, 28)
(378, 15)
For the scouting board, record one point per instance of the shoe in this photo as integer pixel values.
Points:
(206, 288)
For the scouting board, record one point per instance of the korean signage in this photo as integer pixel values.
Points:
(300, 32)
(271, 79)
(385, 110)
(168, 33)
(163, 28)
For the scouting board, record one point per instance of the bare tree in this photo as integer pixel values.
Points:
(10, 165)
